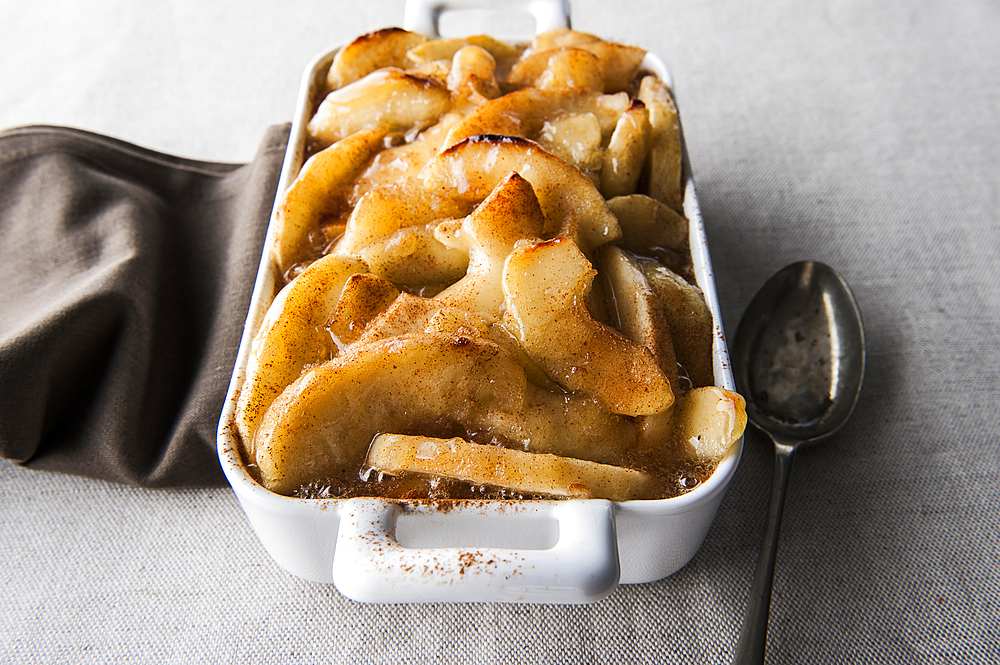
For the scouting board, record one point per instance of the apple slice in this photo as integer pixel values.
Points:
(690, 320)
(291, 336)
(471, 169)
(516, 470)
(525, 112)
(557, 37)
(564, 67)
(324, 422)
(472, 76)
(576, 138)
(545, 285)
(708, 421)
(318, 193)
(445, 49)
(413, 256)
(510, 213)
(363, 298)
(663, 163)
(387, 99)
(383, 48)
(642, 316)
(619, 63)
(626, 152)
(648, 224)
(384, 210)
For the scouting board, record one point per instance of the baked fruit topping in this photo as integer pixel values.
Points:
(485, 281)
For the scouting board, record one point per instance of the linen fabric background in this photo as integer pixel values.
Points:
(864, 135)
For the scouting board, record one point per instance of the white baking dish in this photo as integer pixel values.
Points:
(381, 550)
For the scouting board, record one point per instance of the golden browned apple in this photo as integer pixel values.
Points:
(708, 421)
(410, 314)
(471, 169)
(642, 316)
(399, 166)
(525, 472)
(690, 321)
(655, 230)
(363, 298)
(445, 49)
(548, 420)
(414, 257)
(384, 210)
(557, 37)
(626, 152)
(564, 67)
(648, 224)
(619, 63)
(511, 212)
(576, 138)
(383, 48)
(472, 76)
(571, 425)
(388, 99)
(663, 164)
(319, 193)
(525, 113)
(545, 285)
(291, 336)
(323, 423)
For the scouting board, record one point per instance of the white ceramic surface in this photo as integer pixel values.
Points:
(378, 550)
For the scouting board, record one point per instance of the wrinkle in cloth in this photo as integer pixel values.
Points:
(125, 279)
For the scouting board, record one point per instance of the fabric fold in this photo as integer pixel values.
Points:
(125, 279)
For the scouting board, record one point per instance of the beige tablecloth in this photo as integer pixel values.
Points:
(864, 135)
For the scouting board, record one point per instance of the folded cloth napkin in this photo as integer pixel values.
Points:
(125, 278)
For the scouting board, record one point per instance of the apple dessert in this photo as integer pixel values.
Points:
(486, 286)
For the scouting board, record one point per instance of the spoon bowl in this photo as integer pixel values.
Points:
(799, 361)
(799, 353)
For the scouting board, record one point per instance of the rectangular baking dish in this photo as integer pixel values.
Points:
(380, 550)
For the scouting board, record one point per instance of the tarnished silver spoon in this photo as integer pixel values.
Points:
(799, 359)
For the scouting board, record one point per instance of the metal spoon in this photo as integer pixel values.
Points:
(799, 358)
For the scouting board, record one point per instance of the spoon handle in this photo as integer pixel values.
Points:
(753, 638)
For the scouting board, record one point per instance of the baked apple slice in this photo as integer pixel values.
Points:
(319, 193)
(545, 285)
(528, 473)
(619, 63)
(510, 213)
(445, 49)
(292, 336)
(690, 321)
(364, 297)
(472, 75)
(663, 163)
(323, 423)
(641, 315)
(471, 169)
(526, 112)
(375, 50)
(387, 99)
(626, 152)
(383, 211)
(564, 67)
(708, 421)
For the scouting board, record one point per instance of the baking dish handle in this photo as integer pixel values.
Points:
(423, 16)
(370, 564)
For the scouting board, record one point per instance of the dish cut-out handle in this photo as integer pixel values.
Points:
(423, 16)
(370, 564)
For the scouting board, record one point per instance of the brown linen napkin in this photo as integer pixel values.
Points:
(125, 278)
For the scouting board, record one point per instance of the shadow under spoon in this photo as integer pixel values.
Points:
(799, 360)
